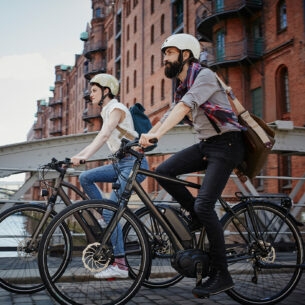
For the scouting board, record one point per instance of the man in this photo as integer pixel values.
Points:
(200, 99)
(104, 88)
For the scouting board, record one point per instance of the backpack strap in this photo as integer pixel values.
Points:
(125, 133)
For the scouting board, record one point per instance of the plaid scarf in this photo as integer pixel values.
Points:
(216, 114)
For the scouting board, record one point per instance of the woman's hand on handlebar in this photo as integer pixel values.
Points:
(76, 161)
(147, 139)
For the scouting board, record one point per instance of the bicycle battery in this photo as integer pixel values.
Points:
(175, 220)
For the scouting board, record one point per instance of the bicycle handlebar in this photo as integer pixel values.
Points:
(126, 148)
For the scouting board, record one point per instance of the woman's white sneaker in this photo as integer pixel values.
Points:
(112, 271)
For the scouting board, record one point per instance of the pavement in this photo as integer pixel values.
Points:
(175, 295)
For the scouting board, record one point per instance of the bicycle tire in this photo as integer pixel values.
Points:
(19, 265)
(279, 243)
(77, 284)
(161, 273)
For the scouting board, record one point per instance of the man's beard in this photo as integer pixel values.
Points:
(172, 69)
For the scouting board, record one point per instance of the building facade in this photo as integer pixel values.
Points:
(257, 47)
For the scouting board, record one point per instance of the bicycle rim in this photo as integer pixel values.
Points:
(161, 273)
(259, 266)
(18, 261)
(78, 284)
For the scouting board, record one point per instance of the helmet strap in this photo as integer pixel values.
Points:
(181, 61)
(103, 97)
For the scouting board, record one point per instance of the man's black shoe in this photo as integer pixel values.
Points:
(218, 282)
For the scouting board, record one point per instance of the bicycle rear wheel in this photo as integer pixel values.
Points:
(78, 285)
(264, 261)
(162, 274)
(19, 272)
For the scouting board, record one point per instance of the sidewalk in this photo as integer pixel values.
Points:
(176, 295)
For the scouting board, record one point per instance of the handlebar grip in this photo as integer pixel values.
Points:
(153, 141)
(82, 162)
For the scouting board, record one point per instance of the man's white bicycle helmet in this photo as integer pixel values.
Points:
(183, 42)
(106, 80)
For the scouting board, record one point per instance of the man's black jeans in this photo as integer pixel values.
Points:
(218, 156)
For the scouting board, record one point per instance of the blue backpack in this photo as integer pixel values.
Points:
(141, 122)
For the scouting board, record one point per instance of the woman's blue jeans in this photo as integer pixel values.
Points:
(107, 173)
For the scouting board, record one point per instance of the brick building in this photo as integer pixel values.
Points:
(257, 47)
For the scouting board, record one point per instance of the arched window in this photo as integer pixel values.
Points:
(281, 16)
(282, 94)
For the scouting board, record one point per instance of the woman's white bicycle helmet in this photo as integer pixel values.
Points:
(106, 80)
(183, 42)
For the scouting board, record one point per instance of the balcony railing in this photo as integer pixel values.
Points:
(235, 52)
(56, 115)
(208, 16)
(54, 102)
(91, 48)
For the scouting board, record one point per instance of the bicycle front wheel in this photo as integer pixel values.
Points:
(80, 283)
(19, 272)
(264, 252)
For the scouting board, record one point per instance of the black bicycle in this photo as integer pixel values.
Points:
(263, 245)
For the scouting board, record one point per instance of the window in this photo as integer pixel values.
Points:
(152, 60)
(135, 51)
(220, 45)
(152, 6)
(118, 69)
(135, 24)
(127, 85)
(282, 94)
(128, 32)
(118, 23)
(219, 5)
(162, 29)
(97, 12)
(162, 89)
(257, 102)
(128, 8)
(152, 34)
(281, 16)
(285, 170)
(152, 96)
(177, 13)
(135, 78)
(127, 59)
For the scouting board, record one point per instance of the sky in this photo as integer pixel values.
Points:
(36, 35)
